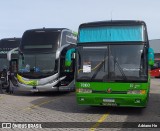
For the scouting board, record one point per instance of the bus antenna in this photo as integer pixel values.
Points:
(111, 15)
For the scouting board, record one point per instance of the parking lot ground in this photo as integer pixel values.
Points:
(62, 107)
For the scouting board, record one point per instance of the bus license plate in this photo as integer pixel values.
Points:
(109, 100)
(34, 90)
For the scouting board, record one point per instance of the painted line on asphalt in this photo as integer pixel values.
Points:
(1, 97)
(43, 103)
(103, 117)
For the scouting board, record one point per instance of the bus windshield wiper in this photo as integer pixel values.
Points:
(96, 72)
(101, 65)
(120, 69)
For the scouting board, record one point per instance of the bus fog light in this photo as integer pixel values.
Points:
(84, 90)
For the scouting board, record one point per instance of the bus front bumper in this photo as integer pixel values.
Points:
(39, 88)
(120, 100)
(46, 87)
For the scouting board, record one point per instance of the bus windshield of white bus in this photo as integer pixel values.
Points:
(37, 64)
(127, 63)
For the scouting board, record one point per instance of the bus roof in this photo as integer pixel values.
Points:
(10, 42)
(112, 23)
(43, 40)
(47, 29)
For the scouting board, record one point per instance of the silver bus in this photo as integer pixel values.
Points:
(46, 60)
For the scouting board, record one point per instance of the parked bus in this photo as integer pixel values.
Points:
(46, 60)
(112, 64)
(6, 45)
(155, 69)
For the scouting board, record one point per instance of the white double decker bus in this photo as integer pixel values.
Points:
(46, 60)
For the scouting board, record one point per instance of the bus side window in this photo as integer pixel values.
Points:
(64, 38)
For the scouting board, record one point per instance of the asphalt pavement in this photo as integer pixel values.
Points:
(59, 109)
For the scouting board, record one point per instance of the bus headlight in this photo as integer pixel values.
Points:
(136, 92)
(83, 90)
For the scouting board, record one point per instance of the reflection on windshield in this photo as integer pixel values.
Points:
(92, 60)
(44, 63)
(131, 59)
(126, 62)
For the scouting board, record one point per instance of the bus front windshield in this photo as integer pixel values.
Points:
(126, 63)
(36, 65)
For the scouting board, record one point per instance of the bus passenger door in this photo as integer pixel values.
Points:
(67, 69)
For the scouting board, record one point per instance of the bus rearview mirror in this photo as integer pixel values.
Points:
(150, 56)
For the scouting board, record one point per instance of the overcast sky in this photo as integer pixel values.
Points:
(16, 16)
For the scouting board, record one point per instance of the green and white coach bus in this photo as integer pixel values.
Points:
(113, 59)
(46, 60)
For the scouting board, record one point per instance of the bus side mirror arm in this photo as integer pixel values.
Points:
(10, 53)
(58, 52)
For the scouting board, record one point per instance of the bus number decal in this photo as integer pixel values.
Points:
(85, 84)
